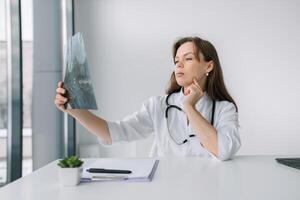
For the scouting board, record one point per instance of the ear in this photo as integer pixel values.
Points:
(210, 66)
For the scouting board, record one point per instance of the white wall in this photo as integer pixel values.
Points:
(129, 51)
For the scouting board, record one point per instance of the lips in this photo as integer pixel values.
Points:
(179, 74)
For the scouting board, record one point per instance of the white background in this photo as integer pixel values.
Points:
(129, 50)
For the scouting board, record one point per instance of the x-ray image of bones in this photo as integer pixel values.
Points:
(77, 79)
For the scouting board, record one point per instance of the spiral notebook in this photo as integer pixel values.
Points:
(143, 169)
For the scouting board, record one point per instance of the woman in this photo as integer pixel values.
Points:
(197, 117)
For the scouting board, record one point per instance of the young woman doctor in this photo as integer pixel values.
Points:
(197, 117)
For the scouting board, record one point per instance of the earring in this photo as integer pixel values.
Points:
(207, 74)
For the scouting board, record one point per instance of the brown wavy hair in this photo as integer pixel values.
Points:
(214, 86)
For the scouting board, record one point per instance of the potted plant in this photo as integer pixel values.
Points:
(70, 171)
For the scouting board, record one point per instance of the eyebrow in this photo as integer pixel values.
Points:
(186, 54)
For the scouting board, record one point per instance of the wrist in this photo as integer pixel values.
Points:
(73, 112)
(188, 107)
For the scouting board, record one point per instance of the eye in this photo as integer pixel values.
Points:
(175, 62)
(189, 59)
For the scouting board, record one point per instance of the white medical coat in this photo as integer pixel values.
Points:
(150, 119)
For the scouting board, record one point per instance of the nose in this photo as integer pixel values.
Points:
(179, 64)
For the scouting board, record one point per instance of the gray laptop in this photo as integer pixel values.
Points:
(291, 162)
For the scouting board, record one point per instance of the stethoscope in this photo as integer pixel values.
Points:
(169, 106)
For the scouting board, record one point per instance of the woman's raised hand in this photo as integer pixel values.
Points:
(60, 99)
(193, 94)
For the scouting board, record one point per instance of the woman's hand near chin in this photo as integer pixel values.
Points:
(193, 94)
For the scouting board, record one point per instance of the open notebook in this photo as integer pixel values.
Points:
(142, 169)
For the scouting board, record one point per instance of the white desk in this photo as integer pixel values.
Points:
(245, 177)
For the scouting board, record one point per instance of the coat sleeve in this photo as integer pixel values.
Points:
(227, 130)
(136, 126)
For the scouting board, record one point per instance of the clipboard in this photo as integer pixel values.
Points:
(143, 170)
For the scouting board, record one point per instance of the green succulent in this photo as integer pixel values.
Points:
(70, 162)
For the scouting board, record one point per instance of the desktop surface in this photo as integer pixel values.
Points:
(244, 177)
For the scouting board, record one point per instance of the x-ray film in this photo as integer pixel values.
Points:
(77, 79)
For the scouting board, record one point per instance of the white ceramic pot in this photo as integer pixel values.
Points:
(69, 176)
